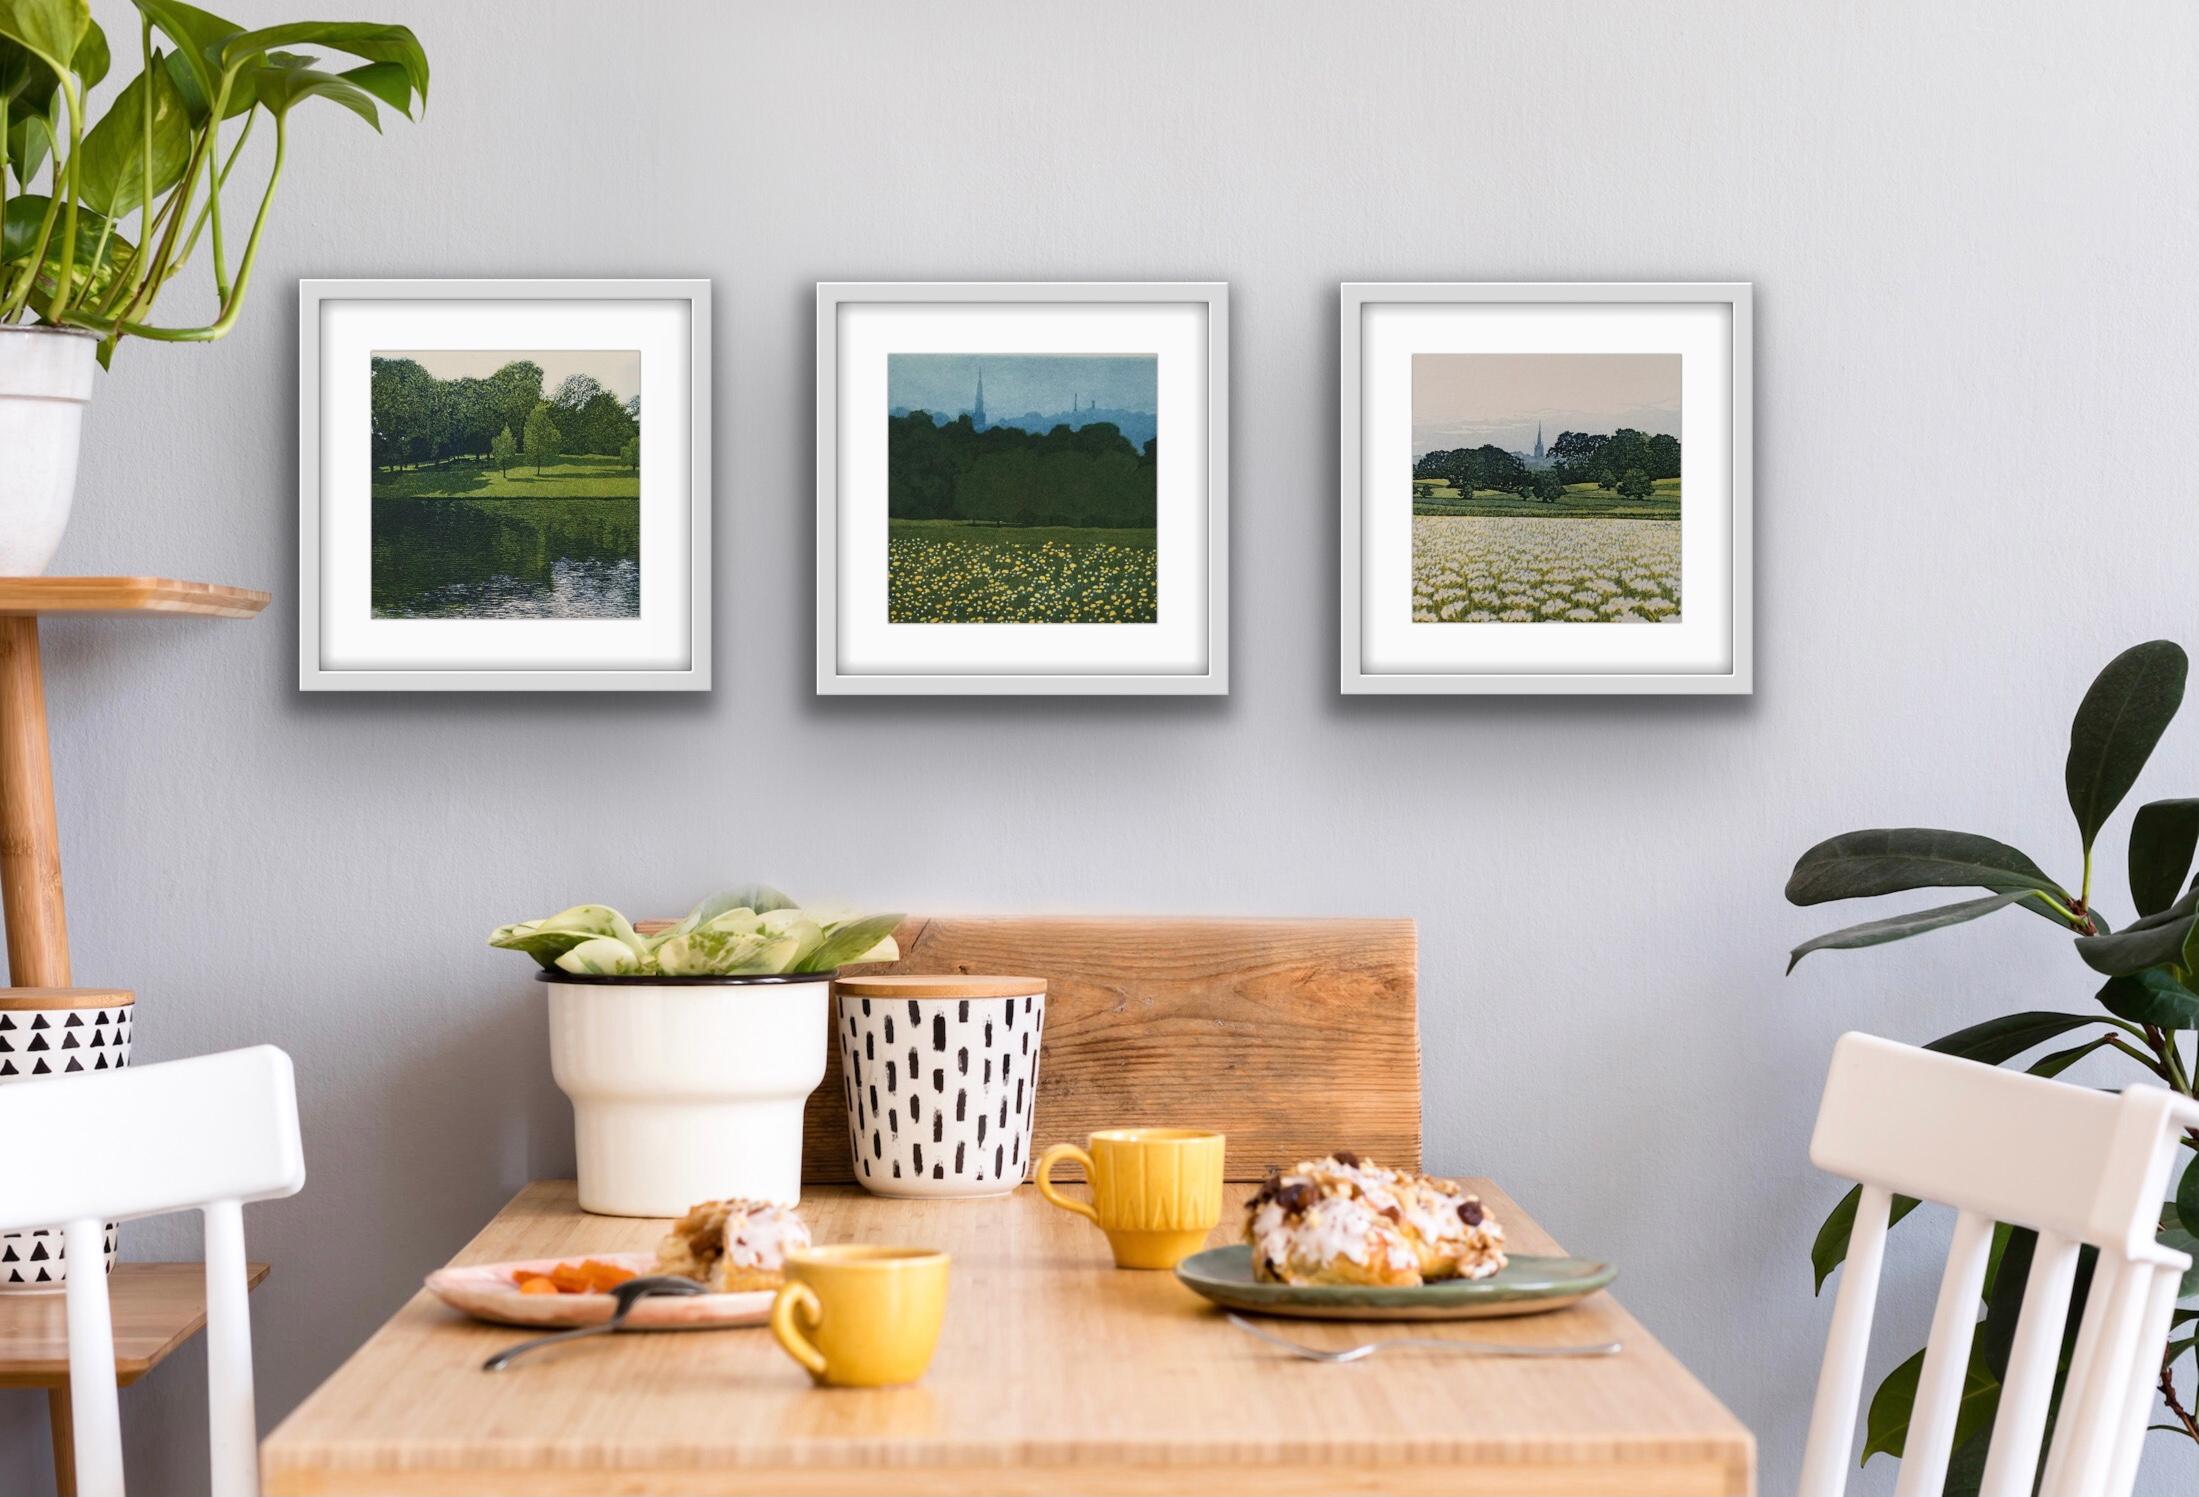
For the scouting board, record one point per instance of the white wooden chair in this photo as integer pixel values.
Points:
(2080, 1167)
(207, 1134)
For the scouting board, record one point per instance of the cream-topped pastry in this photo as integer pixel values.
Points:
(733, 1246)
(1303, 1235)
(1344, 1219)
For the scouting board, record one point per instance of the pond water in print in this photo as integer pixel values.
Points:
(507, 558)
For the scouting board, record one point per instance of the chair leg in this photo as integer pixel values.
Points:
(64, 1441)
(232, 1429)
(94, 1406)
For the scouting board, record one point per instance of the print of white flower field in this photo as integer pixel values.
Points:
(1546, 488)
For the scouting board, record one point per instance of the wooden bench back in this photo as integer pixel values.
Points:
(1294, 1037)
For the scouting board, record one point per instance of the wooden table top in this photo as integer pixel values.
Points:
(1055, 1372)
(119, 595)
(157, 1307)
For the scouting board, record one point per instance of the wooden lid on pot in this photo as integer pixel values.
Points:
(944, 985)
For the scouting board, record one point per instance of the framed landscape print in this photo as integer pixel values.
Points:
(1022, 488)
(1546, 488)
(504, 485)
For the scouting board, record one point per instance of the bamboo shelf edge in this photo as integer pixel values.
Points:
(35, 596)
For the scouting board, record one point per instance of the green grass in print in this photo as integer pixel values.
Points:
(466, 541)
(956, 572)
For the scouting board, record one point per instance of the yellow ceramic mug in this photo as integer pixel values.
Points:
(1156, 1192)
(872, 1313)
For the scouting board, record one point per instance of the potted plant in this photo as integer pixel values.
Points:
(2149, 998)
(98, 215)
(689, 1053)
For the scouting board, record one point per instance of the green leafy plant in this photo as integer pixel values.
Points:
(71, 183)
(2149, 999)
(743, 932)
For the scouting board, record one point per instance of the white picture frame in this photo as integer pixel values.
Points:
(1385, 649)
(1185, 651)
(343, 646)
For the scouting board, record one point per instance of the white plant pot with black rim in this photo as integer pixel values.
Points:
(45, 383)
(687, 1089)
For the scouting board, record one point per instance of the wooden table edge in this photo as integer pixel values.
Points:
(1044, 1472)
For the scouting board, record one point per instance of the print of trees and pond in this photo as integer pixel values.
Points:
(496, 495)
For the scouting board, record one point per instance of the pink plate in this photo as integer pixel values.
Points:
(487, 1291)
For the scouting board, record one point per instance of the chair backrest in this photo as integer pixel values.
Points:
(1289, 1035)
(2079, 1167)
(208, 1134)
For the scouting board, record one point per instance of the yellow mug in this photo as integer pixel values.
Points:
(871, 1313)
(1156, 1192)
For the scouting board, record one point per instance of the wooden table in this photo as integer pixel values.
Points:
(1056, 1373)
(157, 1307)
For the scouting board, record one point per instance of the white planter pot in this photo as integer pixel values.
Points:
(687, 1089)
(47, 1037)
(45, 383)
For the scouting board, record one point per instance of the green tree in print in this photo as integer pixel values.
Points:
(630, 454)
(1635, 484)
(541, 438)
(501, 448)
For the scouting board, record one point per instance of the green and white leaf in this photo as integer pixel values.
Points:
(547, 940)
(602, 956)
(869, 939)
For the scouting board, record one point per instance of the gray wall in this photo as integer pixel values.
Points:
(1970, 229)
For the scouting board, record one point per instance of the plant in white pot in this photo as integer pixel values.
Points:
(688, 1054)
(97, 216)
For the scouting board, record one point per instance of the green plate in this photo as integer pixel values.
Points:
(1526, 1285)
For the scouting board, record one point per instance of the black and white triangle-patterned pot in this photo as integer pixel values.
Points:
(61, 1034)
(939, 1083)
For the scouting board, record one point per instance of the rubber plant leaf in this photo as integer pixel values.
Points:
(1901, 927)
(2123, 714)
(1890, 860)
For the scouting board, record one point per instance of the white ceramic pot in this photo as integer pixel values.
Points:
(687, 1089)
(55, 1034)
(45, 383)
(940, 1078)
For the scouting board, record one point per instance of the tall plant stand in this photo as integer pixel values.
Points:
(38, 943)
(30, 842)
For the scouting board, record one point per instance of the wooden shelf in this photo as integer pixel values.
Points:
(35, 596)
(156, 1306)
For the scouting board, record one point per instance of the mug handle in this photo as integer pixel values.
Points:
(1045, 1182)
(796, 1300)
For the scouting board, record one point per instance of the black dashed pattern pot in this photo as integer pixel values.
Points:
(940, 1076)
(62, 1033)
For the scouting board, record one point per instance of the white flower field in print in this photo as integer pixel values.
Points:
(1489, 569)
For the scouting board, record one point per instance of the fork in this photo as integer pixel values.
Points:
(627, 1295)
(1368, 1348)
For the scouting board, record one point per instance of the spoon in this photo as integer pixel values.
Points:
(1369, 1348)
(628, 1295)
